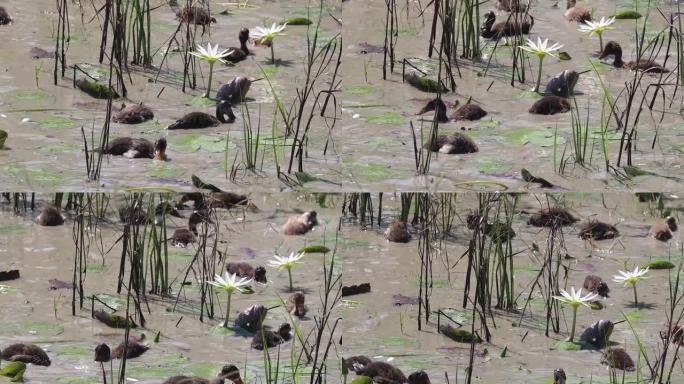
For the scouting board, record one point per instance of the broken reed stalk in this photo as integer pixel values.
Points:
(62, 38)
(391, 36)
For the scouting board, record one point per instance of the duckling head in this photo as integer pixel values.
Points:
(671, 223)
(419, 377)
(260, 275)
(284, 330)
(243, 35)
(160, 149)
(230, 372)
(102, 353)
(611, 48)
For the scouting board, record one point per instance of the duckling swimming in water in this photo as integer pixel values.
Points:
(239, 54)
(134, 349)
(614, 49)
(559, 376)
(595, 284)
(4, 16)
(511, 27)
(663, 230)
(550, 105)
(182, 237)
(563, 84)
(195, 15)
(50, 217)
(549, 217)
(596, 230)
(243, 269)
(133, 114)
(133, 148)
(235, 91)
(576, 13)
(228, 372)
(618, 358)
(469, 111)
(26, 353)
(598, 334)
(379, 370)
(251, 318)
(295, 304)
(397, 232)
(299, 225)
(224, 112)
(511, 5)
(456, 143)
(271, 338)
(672, 332)
(195, 120)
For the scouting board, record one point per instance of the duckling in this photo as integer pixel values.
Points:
(456, 143)
(50, 217)
(195, 120)
(596, 230)
(511, 5)
(598, 334)
(4, 16)
(295, 304)
(26, 353)
(252, 318)
(575, 13)
(563, 84)
(549, 217)
(299, 225)
(134, 349)
(228, 372)
(134, 148)
(235, 91)
(419, 377)
(239, 54)
(673, 333)
(595, 284)
(397, 232)
(490, 30)
(223, 109)
(550, 105)
(133, 114)
(382, 371)
(614, 49)
(271, 338)
(469, 111)
(102, 353)
(182, 237)
(225, 200)
(356, 363)
(663, 230)
(559, 376)
(618, 358)
(39, 53)
(243, 269)
(500, 229)
(195, 15)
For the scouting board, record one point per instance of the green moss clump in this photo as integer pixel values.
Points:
(362, 380)
(297, 21)
(315, 249)
(96, 90)
(659, 264)
(3, 137)
(14, 370)
(627, 15)
(460, 335)
(596, 305)
(114, 321)
(424, 84)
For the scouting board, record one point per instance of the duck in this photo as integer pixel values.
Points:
(295, 304)
(382, 372)
(50, 217)
(511, 5)
(271, 338)
(563, 84)
(618, 358)
(397, 232)
(673, 333)
(4, 16)
(182, 237)
(595, 284)
(135, 348)
(26, 353)
(251, 318)
(663, 230)
(614, 49)
(598, 334)
(235, 91)
(228, 372)
(299, 225)
(597, 230)
(133, 114)
(550, 105)
(195, 15)
(243, 269)
(456, 143)
(559, 376)
(136, 214)
(224, 112)
(549, 217)
(195, 120)
(36, 53)
(226, 200)
(137, 148)
(499, 229)
(238, 54)
(576, 13)
(490, 30)
(469, 111)
(102, 353)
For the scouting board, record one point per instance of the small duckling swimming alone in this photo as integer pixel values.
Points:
(663, 230)
(133, 148)
(4, 16)
(195, 15)
(272, 338)
(614, 49)
(228, 372)
(549, 217)
(618, 358)
(295, 304)
(243, 269)
(133, 114)
(595, 284)
(559, 376)
(299, 225)
(550, 105)
(182, 237)
(195, 120)
(134, 349)
(576, 13)
(454, 144)
(50, 217)
(26, 353)
(252, 318)
(596, 230)
(469, 111)
(238, 54)
(510, 27)
(397, 232)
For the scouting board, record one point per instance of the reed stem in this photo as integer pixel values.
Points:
(272, 54)
(225, 323)
(289, 275)
(574, 320)
(211, 72)
(539, 73)
(636, 302)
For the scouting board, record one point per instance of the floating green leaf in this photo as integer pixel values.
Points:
(596, 305)
(659, 264)
(14, 370)
(32, 95)
(567, 346)
(57, 122)
(564, 55)
(163, 171)
(358, 89)
(59, 148)
(42, 327)
(398, 341)
(193, 142)
(362, 380)
(315, 249)
(389, 118)
(297, 21)
(201, 101)
(535, 136)
(627, 15)
(424, 84)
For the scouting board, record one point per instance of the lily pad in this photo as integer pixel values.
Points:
(370, 172)
(32, 95)
(362, 380)
(398, 341)
(57, 122)
(163, 171)
(493, 166)
(315, 249)
(193, 142)
(528, 95)
(41, 176)
(201, 101)
(389, 118)
(567, 346)
(42, 327)
(266, 71)
(358, 89)
(535, 136)
(596, 305)
(659, 264)
(59, 148)
(297, 20)
(74, 351)
(627, 15)
(564, 56)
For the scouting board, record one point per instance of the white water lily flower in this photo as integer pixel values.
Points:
(597, 27)
(265, 35)
(231, 282)
(575, 298)
(630, 278)
(286, 262)
(541, 48)
(211, 54)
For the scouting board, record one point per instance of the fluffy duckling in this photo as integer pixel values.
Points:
(235, 91)
(239, 54)
(663, 230)
(133, 114)
(36, 53)
(397, 232)
(549, 217)
(469, 111)
(228, 372)
(576, 13)
(559, 376)
(598, 334)
(134, 349)
(134, 148)
(26, 353)
(618, 358)
(252, 318)
(614, 49)
(225, 200)
(596, 230)
(511, 27)
(380, 370)
(419, 377)
(50, 217)
(563, 84)
(195, 15)
(456, 143)
(595, 284)
(243, 269)
(299, 225)
(498, 229)
(4, 16)
(295, 304)
(195, 120)
(550, 105)
(673, 333)
(511, 5)
(182, 237)
(271, 338)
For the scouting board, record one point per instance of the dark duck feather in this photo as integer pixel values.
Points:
(50, 217)
(382, 371)
(550, 105)
(235, 91)
(511, 5)
(195, 120)
(614, 49)
(295, 304)
(134, 148)
(598, 334)
(673, 333)
(195, 15)
(4, 16)
(134, 349)
(133, 114)
(26, 353)
(243, 269)
(182, 237)
(618, 358)
(511, 27)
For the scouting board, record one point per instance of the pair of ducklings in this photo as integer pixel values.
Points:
(382, 372)
(228, 372)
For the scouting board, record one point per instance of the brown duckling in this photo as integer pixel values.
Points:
(576, 13)
(355, 363)
(663, 230)
(4, 16)
(397, 232)
(39, 53)
(456, 143)
(511, 27)
(134, 148)
(382, 371)
(239, 54)
(499, 229)
(419, 377)
(195, 120)
(598, 334)
(50, 217)
(135, 348)
(228, 372)
(133, 114)
(595, 284)
(299, 225)
(549, 217)
(614, 49)
(272, 338)
(550, 105)
(673, 333)
(251, 318)
(195, 15)
(559, 376)
(511, 5)
(596, 230)
(182, 237)
(618, 358)
(26, 353)
(469, 111)
(225, 200)
(295, 304)
(243, 269)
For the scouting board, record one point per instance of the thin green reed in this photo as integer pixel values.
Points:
(140, 31)
(469, 16)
